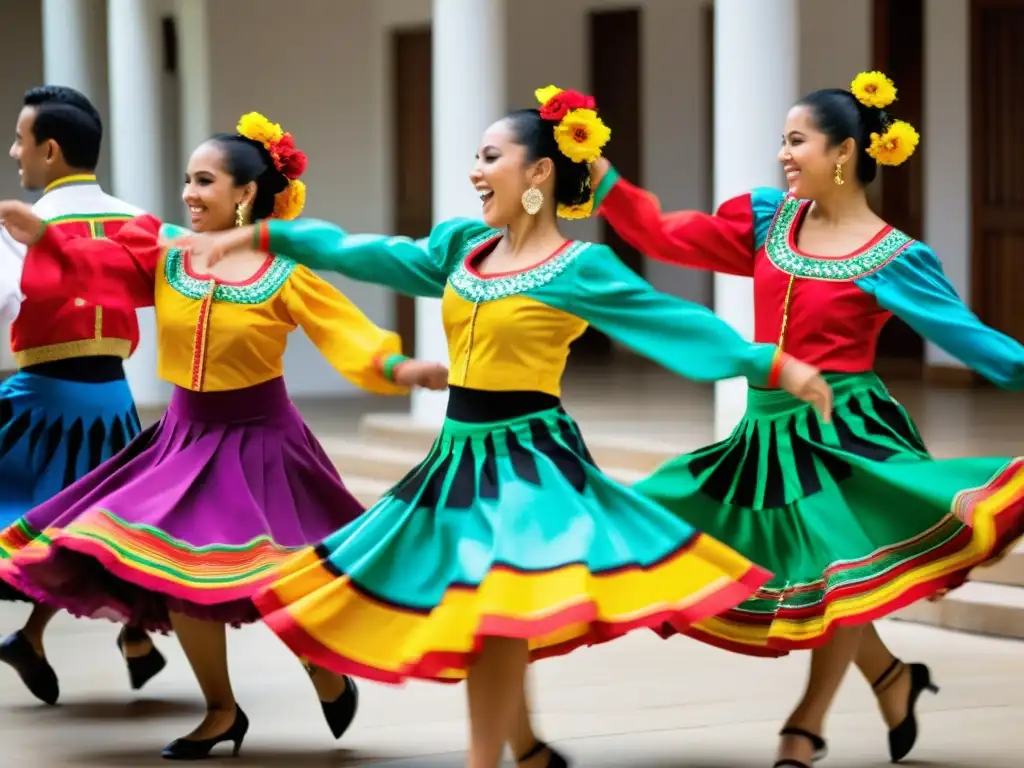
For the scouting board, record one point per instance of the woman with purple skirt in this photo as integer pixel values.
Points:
(185, 525)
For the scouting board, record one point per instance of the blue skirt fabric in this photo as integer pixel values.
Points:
(52, 432)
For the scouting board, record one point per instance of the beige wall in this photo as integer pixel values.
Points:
(21, 62)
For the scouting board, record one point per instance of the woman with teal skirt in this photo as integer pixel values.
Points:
(854, 518)
(507, 544)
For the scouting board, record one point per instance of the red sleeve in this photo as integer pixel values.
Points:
(723, 242)
(117, 271)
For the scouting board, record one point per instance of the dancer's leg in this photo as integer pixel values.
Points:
(36, 625)
(205, 646)
(891, 683)
(828, 667)
(523, 739)
(495, 689)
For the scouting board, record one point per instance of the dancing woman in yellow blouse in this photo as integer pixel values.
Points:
(507, 543)
(182, 528)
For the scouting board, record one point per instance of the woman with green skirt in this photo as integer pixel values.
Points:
(507, 544)
(854, 518)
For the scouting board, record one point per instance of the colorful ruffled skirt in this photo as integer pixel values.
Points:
(193, 516)
(506, 529)
(54, 431)
(854, 518)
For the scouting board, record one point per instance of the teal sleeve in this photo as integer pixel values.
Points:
(913, 287)
(413, 267)
(171, 231)
(685, 338)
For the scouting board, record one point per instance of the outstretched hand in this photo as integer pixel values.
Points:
(806, 383)
(213, 246)
(21, 222)
(422, 373)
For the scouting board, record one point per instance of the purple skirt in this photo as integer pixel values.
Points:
(193, 516)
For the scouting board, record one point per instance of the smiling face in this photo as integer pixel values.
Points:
(210, 192)
(808, 160)
(502, 174)
(34, 160)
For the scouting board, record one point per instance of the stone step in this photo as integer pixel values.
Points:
(1009, 571)
(987, 609)
(637, 455)
(387, 464)
(366, 490)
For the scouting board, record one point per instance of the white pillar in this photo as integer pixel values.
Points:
(947, 155)
(194, 68)
(468, 95)
(74, 55)
(751, 103)
(136, 146)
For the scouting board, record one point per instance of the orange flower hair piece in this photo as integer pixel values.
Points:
(288, 159)
(579, 132)
(898, 139)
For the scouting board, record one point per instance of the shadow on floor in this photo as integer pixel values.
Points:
(102, 710)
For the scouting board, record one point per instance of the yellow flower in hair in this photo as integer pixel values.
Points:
(873, 89)
(581, 211)
(255, 126)
(895, 145)
(581, 134)
(543, 94)
(288, 204)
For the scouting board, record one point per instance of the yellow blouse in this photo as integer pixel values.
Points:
(511, 343)
(215, 336)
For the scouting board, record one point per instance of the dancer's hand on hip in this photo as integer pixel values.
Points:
(806, 382)
(422, 373)
(21, 222)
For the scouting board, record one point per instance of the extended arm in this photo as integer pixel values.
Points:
(686, 338)
(358, 349)
(12, 257)
(914, 288)
(413, 267)
(116, 271)
(724, 242)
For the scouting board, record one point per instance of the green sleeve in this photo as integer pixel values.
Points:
(413, 267)
(686, 338)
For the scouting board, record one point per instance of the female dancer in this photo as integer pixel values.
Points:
(506, 543)
(180, 530)
(855, 519)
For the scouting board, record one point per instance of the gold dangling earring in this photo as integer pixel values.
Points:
(239, 215)
(838, 178)
(533, 200)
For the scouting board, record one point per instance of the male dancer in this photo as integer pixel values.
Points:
(68, 408)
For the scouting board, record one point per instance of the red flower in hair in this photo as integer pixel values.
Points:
(288, 159)
(563, 102)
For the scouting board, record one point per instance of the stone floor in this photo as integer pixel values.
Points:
(637, 703)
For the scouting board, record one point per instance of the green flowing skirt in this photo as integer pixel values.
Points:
(506, 529)
(854, 518)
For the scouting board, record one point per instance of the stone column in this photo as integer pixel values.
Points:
(469, 93)
(74, 54)
(751, 103)
(136, 150)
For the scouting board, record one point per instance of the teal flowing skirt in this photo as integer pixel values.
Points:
(506, 529)
(854, 518)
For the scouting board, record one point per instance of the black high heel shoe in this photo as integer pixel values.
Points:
(819, 744)
(199, 749)
(141, 669)
(340, 713)
(34, 670)
(903, 737)
(555, 759)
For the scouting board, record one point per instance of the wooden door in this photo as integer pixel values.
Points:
(616, 79)
(997, 161)
(412, 153)
(899, 52)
